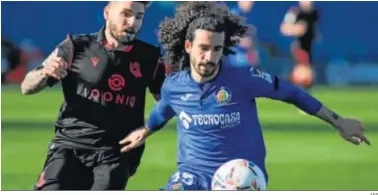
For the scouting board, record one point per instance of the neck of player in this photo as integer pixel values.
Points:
(110, 39)
(200, 79)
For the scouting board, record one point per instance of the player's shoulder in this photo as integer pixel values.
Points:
(145, 45)
(177, 78)
(76, 39)
(243, 73)
(84, 37)
(146, 48)
(243, 69)
(237, 71)
(294, 9)
(73, 40)
(176, 82)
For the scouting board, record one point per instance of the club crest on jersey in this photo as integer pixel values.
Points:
(135, 69)
(223, 95)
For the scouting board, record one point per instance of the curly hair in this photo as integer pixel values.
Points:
(194, 15)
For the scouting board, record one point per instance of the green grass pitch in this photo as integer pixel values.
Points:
(302, 152)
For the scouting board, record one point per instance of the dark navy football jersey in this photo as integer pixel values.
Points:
(105, 89)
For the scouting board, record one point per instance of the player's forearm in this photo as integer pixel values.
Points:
(312, 106)
(292, 94)
(157, 120)
(293, 29)
(328, 116)
(159, 116)
(34, 82)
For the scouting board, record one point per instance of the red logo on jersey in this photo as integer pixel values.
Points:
(135, 69)
(116, 82)
(95, 61)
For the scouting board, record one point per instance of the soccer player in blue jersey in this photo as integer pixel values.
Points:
(215, 104)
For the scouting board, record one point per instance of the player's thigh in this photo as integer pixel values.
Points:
(110, 176)
(133, 158)
(115, 169)
(61, 166)
(184, 181)
(112, 173)
(82, 179)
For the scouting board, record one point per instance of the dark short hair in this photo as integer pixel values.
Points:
(145, 3)
(194, 15)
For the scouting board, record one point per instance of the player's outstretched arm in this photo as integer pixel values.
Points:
(159, 116)
(264, 85)
(38, 79)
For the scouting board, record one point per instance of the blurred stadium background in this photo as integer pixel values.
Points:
(303, 153)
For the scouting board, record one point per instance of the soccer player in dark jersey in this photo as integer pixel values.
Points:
(104, 77)
(216, 104)
(301, 23)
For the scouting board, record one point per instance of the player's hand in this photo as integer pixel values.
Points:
(55, 67)
(352, 130)
(134, 139)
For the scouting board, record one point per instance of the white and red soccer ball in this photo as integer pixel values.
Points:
(239, 174)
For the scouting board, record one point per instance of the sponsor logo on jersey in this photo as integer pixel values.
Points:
(113, 95)
(224, 120)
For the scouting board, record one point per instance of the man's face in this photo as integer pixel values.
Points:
(205, 51)
(305, 5)
(124, 19)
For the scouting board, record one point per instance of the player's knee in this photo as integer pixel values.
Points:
(181, 187)
(183, 181)
(175, 187)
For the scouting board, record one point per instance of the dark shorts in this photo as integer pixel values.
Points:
(79, 169)
(301, 55)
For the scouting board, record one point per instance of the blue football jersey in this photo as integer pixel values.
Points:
(218, 120)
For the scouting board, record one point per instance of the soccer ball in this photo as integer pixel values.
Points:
(239, 174)
(302, 75)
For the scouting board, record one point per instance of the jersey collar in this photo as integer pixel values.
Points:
(214, 80)
(101, 39)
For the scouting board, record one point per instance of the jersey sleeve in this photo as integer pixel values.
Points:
(162, 112)
(158, 77)
(262, 84)
(63, 50)
(309, 19)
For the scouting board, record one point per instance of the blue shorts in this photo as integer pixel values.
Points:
(183, 180)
